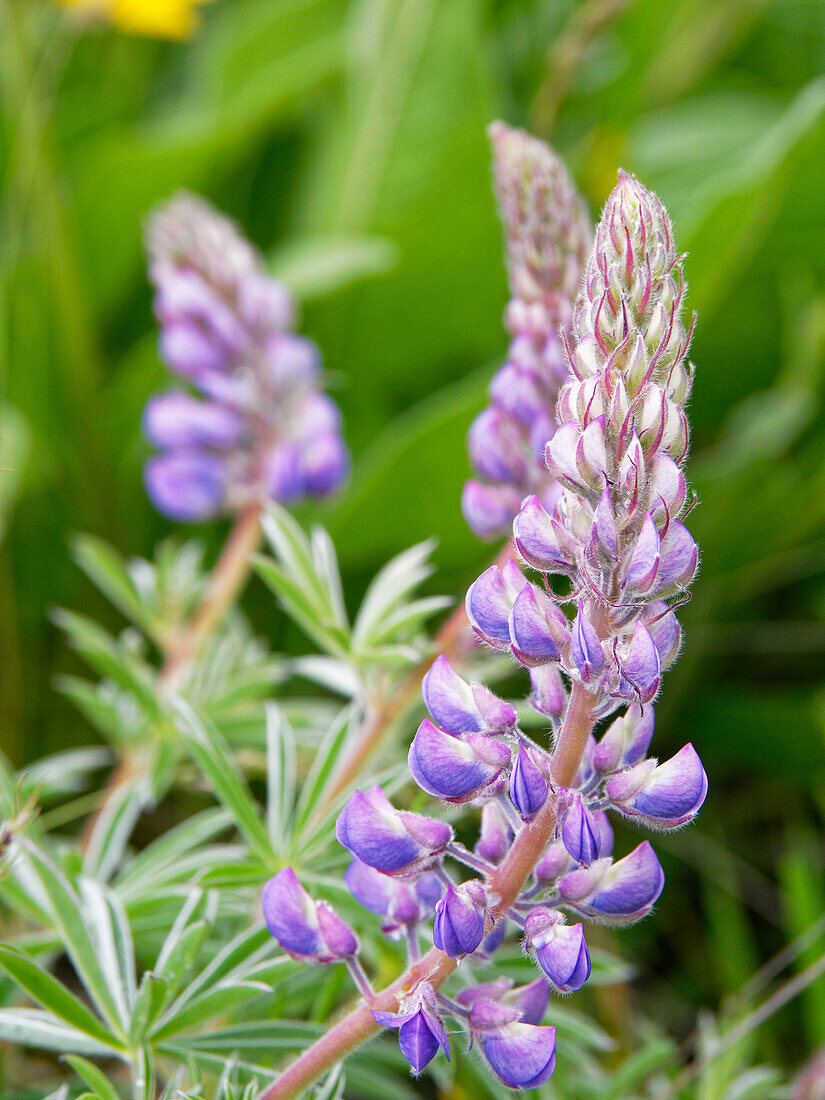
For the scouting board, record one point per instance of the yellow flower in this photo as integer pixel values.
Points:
(155, 18)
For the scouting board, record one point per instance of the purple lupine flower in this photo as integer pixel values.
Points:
(389, 840)
(305, 929)
(581, 832)
(548, 236)
(529, 1001)
(420, 1030)
(528, 787)
(458, 928)
(457, 769)
(559, 949)
(522, 1055)
(626, 740)
(259, 427)
(495, 834)
(615, 893)
(461, 707)
(666, 796)
(399, 902)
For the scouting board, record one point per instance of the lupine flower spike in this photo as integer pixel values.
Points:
(251, 422)
(548, 237)
(614, 537)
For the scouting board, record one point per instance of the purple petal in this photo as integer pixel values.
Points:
(536, 538)
(369, 887)
(644, 561)
(528, 787)
(179, 421)
(496, 445)
(586, 649)
(187, 485)
(671, 795)
(489, 509)
(489, 601)
(561, 458)
(290, 915)
(679, 558)
(338, 937)
(581, 833)
(376, 836)
(523, 1056)
(458, 928)
(449, 699)
(537, 628)
(640, 668)
(548, 695)
(446, 767)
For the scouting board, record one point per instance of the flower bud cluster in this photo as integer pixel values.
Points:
(251, 422)
(548, 238)
(615, 530)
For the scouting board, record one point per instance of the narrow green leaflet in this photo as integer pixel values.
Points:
(211, 753)
(93, 1077)
(280, 777)
(323, 766)
(114, 826)
(69, 922)
(55, 997)
(32, 1028)
(107, 923)
(389, 588)
(103, 565)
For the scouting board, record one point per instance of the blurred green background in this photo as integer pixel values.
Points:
(348, 139)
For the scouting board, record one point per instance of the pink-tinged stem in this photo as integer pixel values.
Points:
(448, 641)
(506, 881)
(227, 579)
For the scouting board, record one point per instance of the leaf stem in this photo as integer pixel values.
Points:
(506, 883)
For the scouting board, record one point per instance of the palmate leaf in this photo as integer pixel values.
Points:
(389, 588)
(160, 861)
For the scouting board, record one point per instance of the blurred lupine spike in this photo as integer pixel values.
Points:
(548, 235)
(259, 428)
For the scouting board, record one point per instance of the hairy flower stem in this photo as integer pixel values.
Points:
(448, 641)
(227, 579)
(225, 583)
(506, 882)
